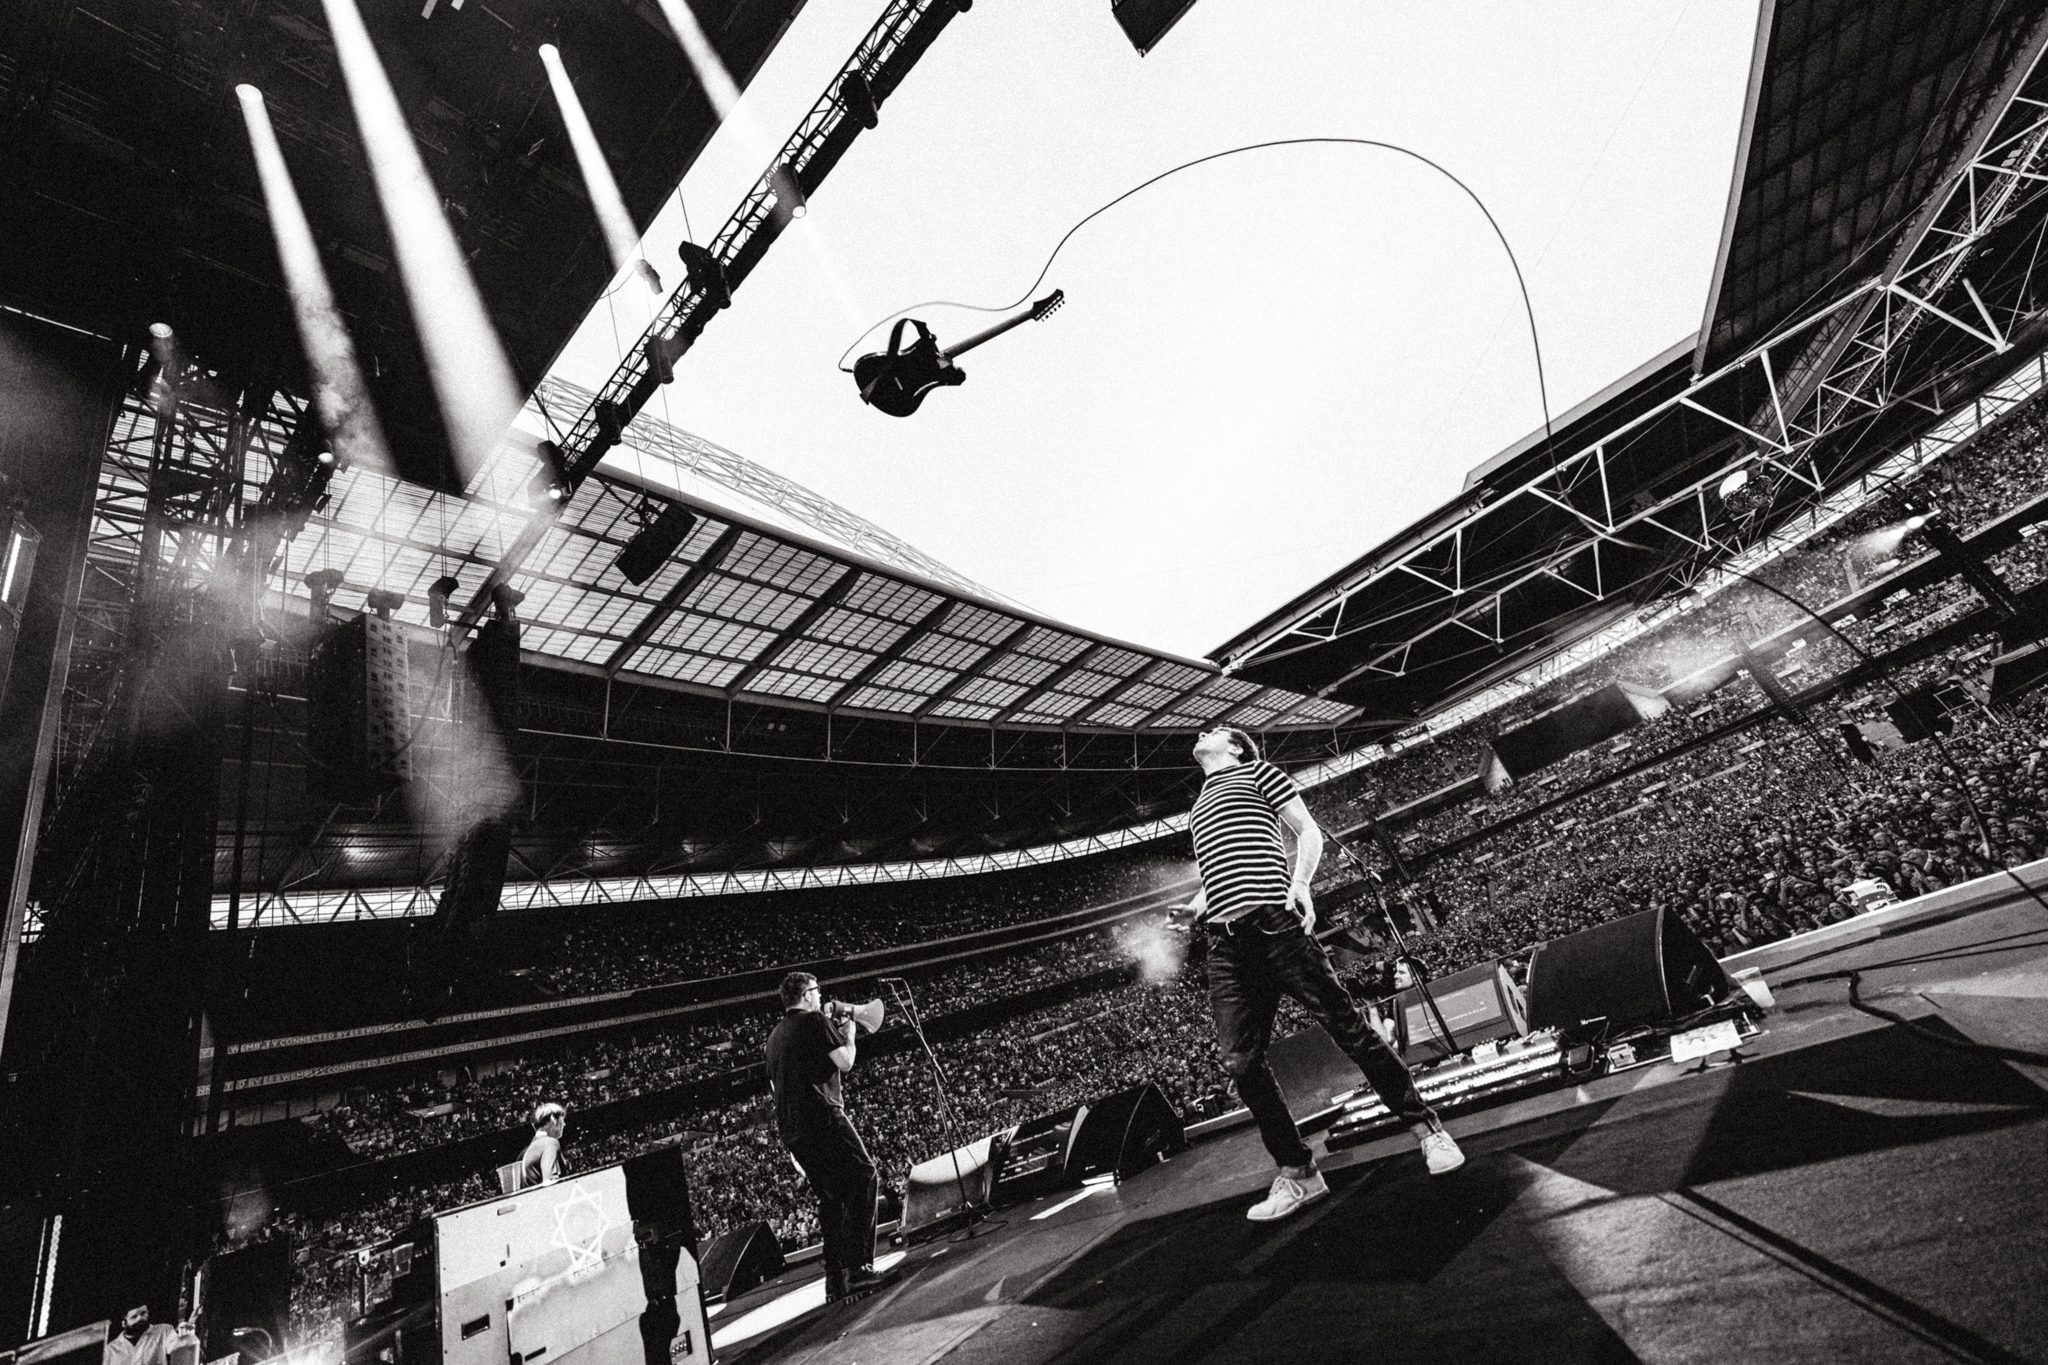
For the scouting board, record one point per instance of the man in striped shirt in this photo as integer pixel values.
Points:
(1259, 919)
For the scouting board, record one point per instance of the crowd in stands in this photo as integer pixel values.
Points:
(1749, 838)
(488, 1097)
(611, 951)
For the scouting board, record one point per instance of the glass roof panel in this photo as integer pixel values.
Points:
(885, 699)
(961, 710)
(993, 691)
(946, 651)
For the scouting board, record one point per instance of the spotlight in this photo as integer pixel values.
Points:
(438, 594)
(611, 422)
(789, 195)
(859, 98)
(706, 274)
(662, 354)
(1916, 521)
(505, 600)
(322, 584)
(160, 330)
(383, 601)
(325, 457)
(1736, 481)
(549, 486)
(649, 276)
(657, 540)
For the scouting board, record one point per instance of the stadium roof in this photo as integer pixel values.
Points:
(752, 607)
(1563, 536)
(1855, 113)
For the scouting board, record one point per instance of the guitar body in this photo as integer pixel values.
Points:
(897, 383)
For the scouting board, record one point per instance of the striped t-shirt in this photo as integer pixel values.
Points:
(1236, 824)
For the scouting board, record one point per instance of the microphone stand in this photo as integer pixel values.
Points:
(906, 1005)
(1415, 967)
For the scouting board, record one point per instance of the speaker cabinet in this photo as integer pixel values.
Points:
(1036, 1160)
(738, 1260)
(1643, 969)
(359, 711)
(1124, 1133)
(952, 1183)
(1311, 1068)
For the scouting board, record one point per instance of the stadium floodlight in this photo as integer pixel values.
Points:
(1736, 481)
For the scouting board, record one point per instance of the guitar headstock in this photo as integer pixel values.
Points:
(1048, 305)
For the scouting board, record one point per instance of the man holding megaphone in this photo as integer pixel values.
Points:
(808, 1052)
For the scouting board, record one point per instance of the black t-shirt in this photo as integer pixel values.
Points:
(800, 1068)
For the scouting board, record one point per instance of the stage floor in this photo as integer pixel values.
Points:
(1853, 1190)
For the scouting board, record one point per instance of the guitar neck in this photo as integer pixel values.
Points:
(990, 335)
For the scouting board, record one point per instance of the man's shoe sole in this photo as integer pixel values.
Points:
(1282, 1217)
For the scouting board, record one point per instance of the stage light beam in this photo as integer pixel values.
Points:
(620, 237)
(719, 86)
(340, 398)
(472, 379)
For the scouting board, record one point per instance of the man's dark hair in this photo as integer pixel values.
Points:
(1247, 747)
(794, 987)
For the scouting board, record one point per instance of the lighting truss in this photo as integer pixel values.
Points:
(882, 59)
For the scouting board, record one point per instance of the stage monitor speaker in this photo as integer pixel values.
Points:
(1124, 1133)
(1478, 1004)
(245, 1302)
(1643, 969)
(952, 1183)
(1036, 1160)
(1311, 1069)
(738, 1260)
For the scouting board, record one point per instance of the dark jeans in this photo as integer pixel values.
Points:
(837, 1164)
(1249, 971)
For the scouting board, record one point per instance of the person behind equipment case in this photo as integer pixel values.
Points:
(807, 1054)
(1260, 919)
(142, 1342)
(542, 1164)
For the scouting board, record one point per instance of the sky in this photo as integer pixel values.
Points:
(1266, 364)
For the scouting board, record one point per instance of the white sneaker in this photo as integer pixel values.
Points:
(1440, 1150)
(1287, 1195)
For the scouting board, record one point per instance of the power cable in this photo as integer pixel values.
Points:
(1535, 342)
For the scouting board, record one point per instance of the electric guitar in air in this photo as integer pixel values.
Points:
(895, 381)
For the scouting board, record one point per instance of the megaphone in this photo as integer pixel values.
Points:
(868, 1016)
